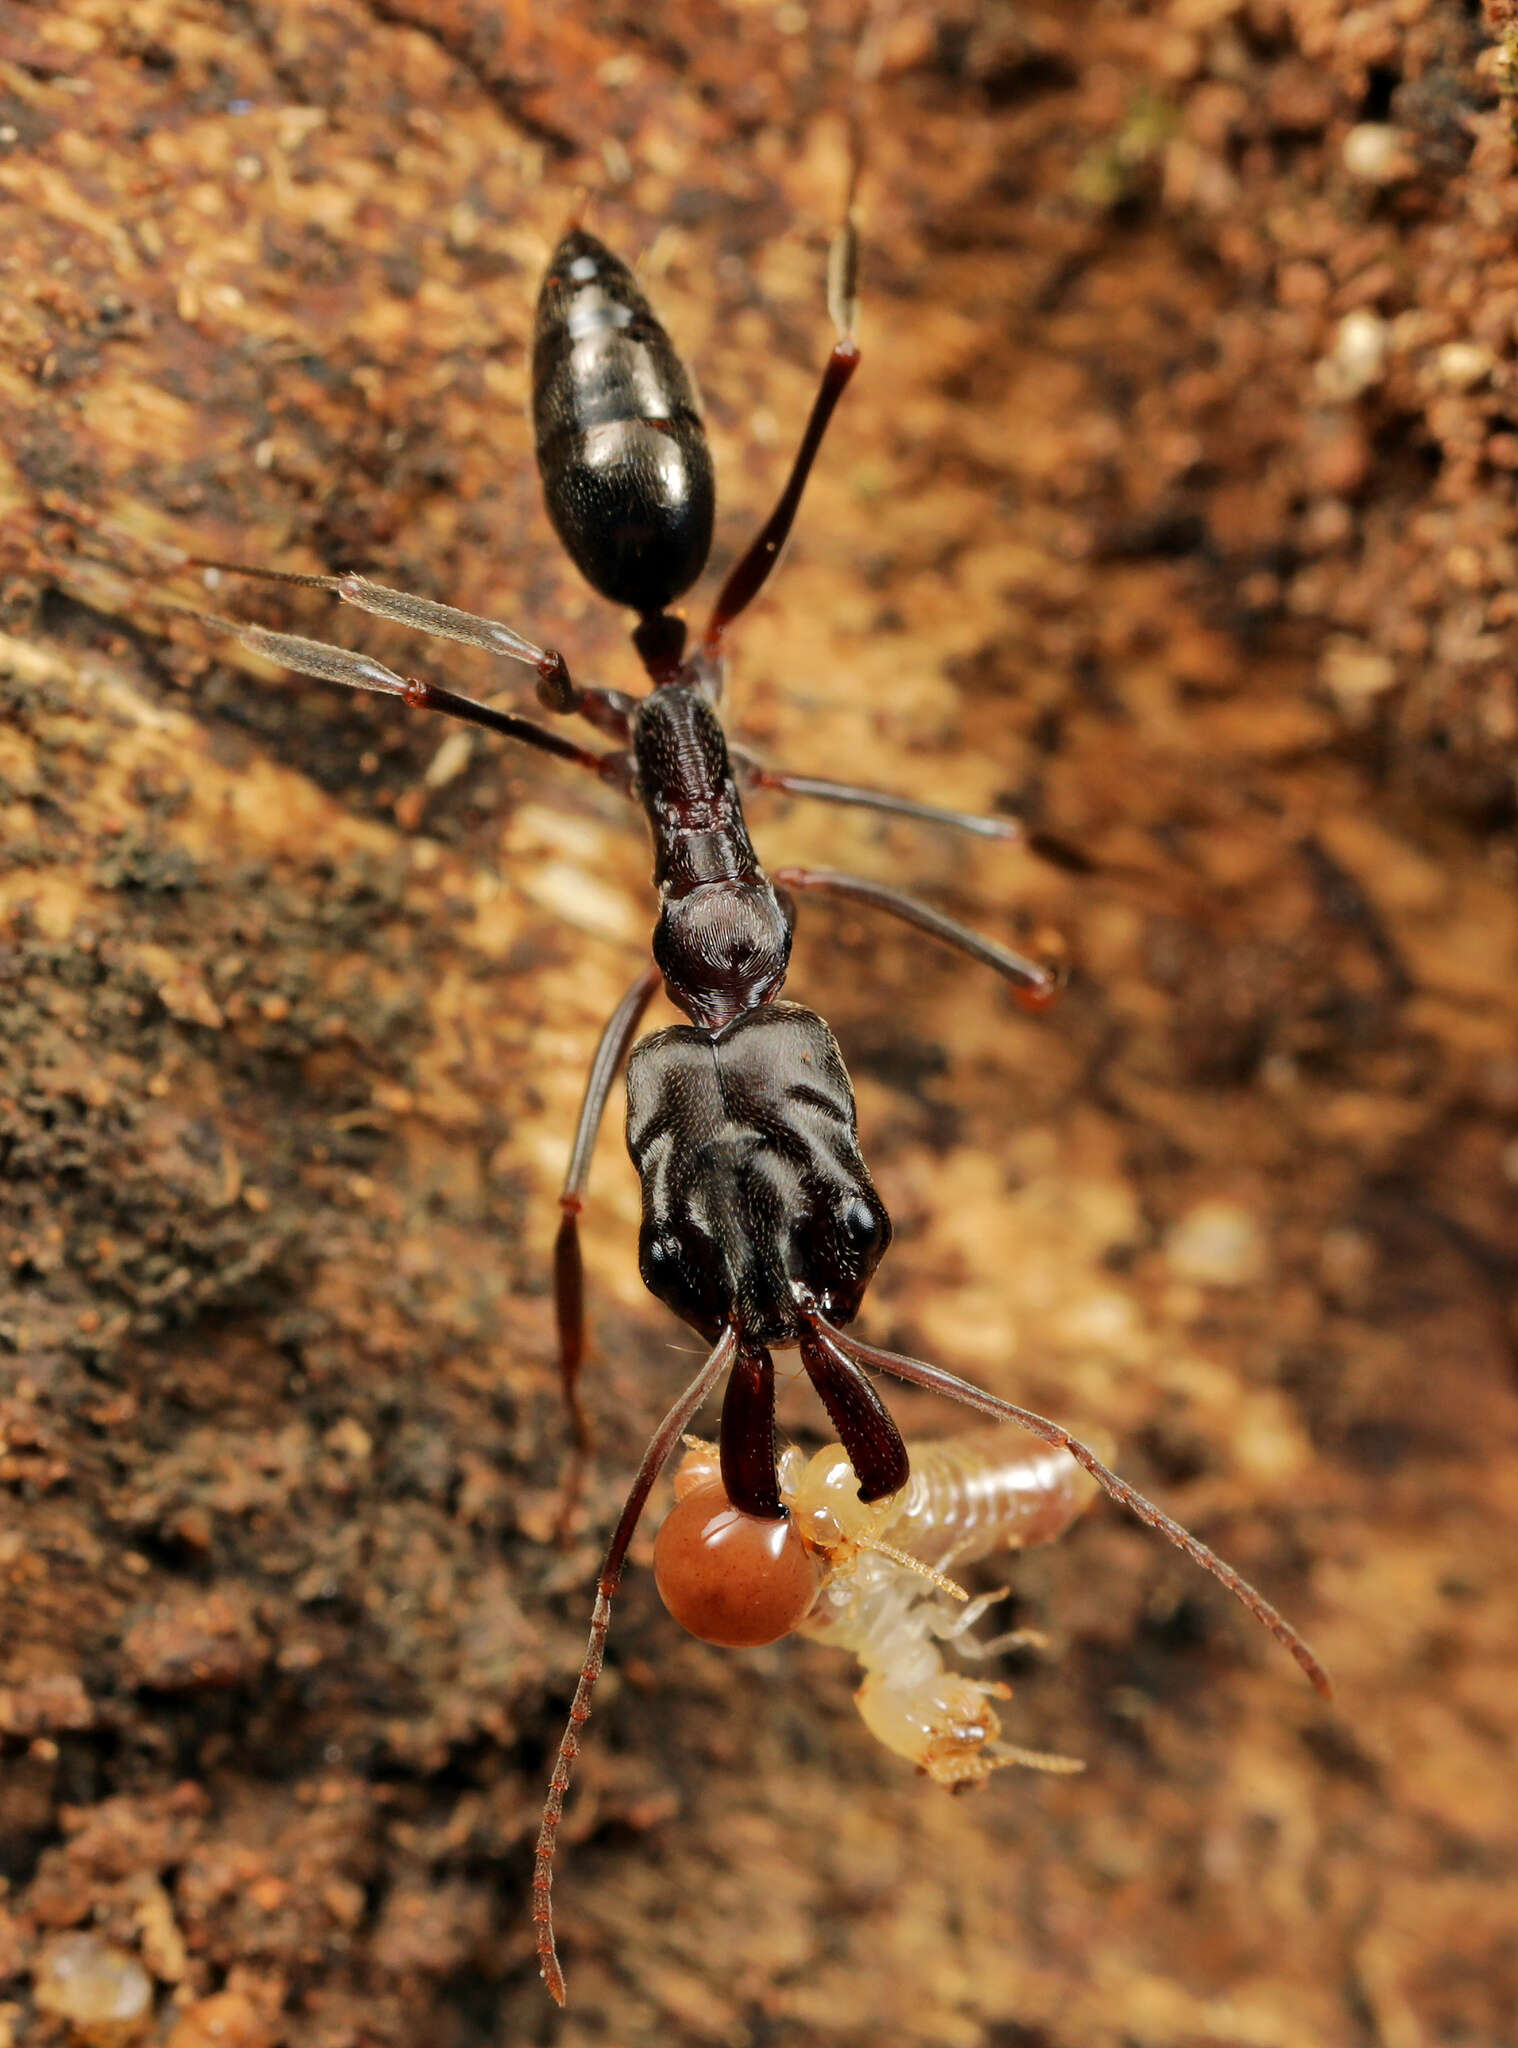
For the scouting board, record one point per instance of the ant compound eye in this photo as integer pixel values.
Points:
(663, 1254)
(859, 1226)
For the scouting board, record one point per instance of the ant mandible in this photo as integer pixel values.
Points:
(761, 1226)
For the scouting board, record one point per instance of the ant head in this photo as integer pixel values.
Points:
(757, 1207)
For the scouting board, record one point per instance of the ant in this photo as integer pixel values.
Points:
(761, 1225)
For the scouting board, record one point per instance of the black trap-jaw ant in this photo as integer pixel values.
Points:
(761, 1226)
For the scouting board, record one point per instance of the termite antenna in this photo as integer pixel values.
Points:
(950, 1587)
(1047, 1760)
(936, 1380)
(664, 1441)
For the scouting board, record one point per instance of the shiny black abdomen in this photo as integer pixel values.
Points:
(756, 1202)
(626, 471)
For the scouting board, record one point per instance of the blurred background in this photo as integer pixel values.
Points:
(1173, 510)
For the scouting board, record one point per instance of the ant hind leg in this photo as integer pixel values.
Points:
(751, 571)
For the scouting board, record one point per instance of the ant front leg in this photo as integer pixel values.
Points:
(568, 1265)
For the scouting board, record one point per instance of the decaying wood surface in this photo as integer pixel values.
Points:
(1174, 507)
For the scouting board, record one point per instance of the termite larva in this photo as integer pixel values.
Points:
(871, 1578)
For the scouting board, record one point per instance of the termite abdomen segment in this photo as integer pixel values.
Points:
(731, 1578)
(627, 475)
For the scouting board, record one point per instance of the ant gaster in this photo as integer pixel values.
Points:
(761, 1225)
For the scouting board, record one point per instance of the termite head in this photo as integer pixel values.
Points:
(739, 1580)
(824, 1499)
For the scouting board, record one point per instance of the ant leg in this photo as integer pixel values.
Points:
(362, 672)
(750, 572)
(568, 1267)
(936, 1380)
(752, 776)
(655, 1458)
(1035, 987)
(606, 709)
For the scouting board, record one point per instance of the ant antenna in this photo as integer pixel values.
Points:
(936, 1380)
(663, 1443)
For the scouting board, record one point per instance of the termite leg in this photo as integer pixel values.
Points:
(960, 1622)
(608, 710)
(666, 1437)
(750, 572)
(362, 672)
(998, 1646)
(568, 1265)
(920, 1374)
(1034, 985)
(1037, 1759)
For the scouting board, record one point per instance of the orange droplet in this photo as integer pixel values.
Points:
(730, 1578)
